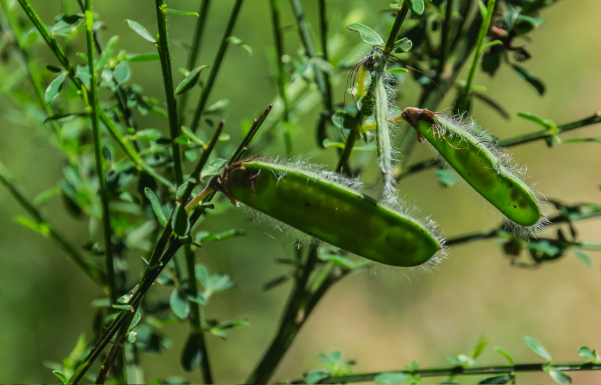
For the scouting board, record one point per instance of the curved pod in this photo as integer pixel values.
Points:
(481, 168)
(330, 212)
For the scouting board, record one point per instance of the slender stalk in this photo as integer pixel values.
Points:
(307, 42)
(195, 314)
(323, 32)
(457, 370)
(463, 102)
(281, 77)
(109, 361)
(445, 39)
(165, 56)
(157, 263)
(99, 158)
(348, 148)
(110, 125)
(193, 53)
(510, 142)
(206, 91)
(91, 271)
(489, 234)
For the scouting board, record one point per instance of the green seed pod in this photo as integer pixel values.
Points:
(477, 159)
(329, 211)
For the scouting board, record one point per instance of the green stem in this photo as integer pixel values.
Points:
(193, 53)
(510, 142)
(99, 159)
(462, 107)
(281, 77)
(457, 370)
(206, 91)
(91, 271)
(156, 266)
(110, 359)
(307, 42)
(396, 27)
(165, 56)
(195, 314)
(110, 125)
(444, 39)
(323, 31)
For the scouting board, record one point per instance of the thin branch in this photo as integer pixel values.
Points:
(457, 370)
(208, 87)
(307, 42)
(520, 139)
(281, 76)
(445, 39)
(193, 53)
(99, 158)
(165, 56)
(463, 102)
(91, 271)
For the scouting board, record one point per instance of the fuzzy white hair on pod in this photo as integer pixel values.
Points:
(505, 163)
(392, 201)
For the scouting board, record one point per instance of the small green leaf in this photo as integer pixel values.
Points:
(397, 71)
(219, 282)
(367, 34)
(183, 139)
(203, 237)
(586, 353)
(106, 54)
(156, 205)
(202, 274)
(582, 256)
(178, 303)
(236, 41)
(38, 227)
(502, 351)
(537, 347)
(131, 336)
(196, 297)
(369, 147)
(277, 281)
(402, 45)
(135, 321)
(446, 177)
(532, 118)
(179, 222)
(55, 87)
(179, 193)
(502, 379)
(183, 13)
(42, 197)
(317, 375)
(121, 72)
(343, 119)
(218, 105)
(192, 354)
(212, 168)
(560, 377)
(530, 78)
(140, 30)
(60, 376)
(122, 307)
(391, 378)
(190, 80)
(479, 348)
(142, 57)
(416, 6)
(483, 9)
(148, 134)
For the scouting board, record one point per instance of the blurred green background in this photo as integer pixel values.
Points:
(383, 318)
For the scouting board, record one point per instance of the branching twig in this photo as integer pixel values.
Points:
(457, 370)
(208, 87)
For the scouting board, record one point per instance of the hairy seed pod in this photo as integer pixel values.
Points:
(329, 211)
(477, 160)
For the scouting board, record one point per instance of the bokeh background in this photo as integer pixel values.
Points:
(382, 319)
